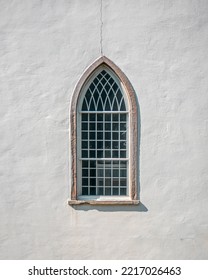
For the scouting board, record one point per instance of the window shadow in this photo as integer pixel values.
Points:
(115, 208)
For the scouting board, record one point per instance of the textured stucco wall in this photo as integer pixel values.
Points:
(161, 45)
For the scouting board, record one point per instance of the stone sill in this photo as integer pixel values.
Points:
(103, 202)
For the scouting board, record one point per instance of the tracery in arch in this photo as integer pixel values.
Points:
(103, 94)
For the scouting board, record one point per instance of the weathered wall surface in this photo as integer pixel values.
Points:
(162, 47)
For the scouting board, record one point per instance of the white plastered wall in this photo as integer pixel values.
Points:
(161, 46)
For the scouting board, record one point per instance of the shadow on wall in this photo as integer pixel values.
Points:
(139, 141)
(116, 208)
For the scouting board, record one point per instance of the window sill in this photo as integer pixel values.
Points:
(103, 202)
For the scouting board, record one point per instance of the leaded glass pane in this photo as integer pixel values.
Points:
(104, 138)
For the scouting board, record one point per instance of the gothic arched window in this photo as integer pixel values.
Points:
(103, 130)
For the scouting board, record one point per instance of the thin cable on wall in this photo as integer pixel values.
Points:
(101, 27)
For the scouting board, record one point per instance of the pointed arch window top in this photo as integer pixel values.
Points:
(103, 137)
(103, 94)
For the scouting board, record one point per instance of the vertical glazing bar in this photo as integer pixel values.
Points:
(111, 150)
(104, 154)
(119, 168)
(88, 149)
(96, 171)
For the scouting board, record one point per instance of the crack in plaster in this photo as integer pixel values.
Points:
(101, 27)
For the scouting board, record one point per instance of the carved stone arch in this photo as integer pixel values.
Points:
(133, 125)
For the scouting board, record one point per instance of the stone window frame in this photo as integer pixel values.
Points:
(132, 199)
